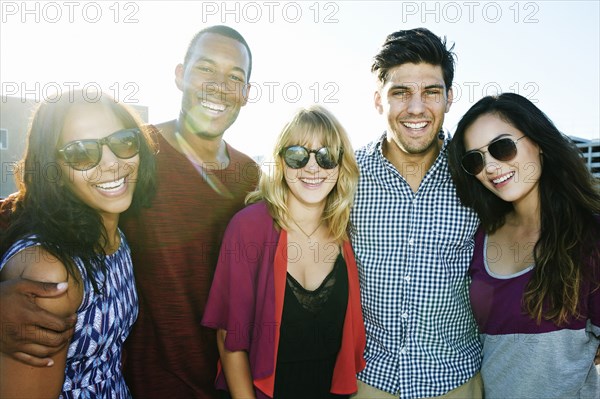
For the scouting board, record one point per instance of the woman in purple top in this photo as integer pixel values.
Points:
(535, 270)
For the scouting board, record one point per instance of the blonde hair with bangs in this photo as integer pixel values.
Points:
(308, 124)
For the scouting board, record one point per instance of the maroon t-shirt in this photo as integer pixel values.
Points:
(175, 246)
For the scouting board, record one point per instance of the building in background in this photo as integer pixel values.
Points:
(15, 116)
(591, 153)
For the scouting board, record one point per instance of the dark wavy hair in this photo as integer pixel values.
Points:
(414, 46)
(44, 207)
(569, 206)
(222, 30)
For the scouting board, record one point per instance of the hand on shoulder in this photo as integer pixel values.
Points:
(37, 264)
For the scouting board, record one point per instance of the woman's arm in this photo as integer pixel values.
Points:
(20, 380)
(236, 369)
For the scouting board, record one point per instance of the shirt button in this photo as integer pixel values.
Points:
(405, 315)
(411, 242)
(403, 351)
(407, 278)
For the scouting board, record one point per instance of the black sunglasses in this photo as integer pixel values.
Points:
(503, 149)
(297, 156)
(86, 154)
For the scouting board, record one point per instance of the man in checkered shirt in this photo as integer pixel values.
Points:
(412, 237)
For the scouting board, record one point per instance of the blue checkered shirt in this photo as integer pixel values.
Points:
(413, 251)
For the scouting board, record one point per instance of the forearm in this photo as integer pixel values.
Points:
(237, 370)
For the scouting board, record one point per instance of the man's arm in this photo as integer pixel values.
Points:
(29, 333)
(20, 380)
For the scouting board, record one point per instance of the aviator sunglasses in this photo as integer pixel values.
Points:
(86, 154)
(503, 149)
(297, 156)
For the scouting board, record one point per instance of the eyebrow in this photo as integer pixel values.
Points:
(436, 86)
(412, 85)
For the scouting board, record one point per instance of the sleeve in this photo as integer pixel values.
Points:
(594, 296)
(594, 300)
(232, 298)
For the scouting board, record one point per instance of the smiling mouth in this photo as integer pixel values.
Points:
(111, 186)
(503, 178)
(312, 181)
(415, 125)
(212, 106)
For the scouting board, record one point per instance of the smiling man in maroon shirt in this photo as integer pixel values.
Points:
(202, 183)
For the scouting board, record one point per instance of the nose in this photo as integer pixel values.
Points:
(223, 87)
(489, 163)
(109, 160)
(312, 162)
(416, 105)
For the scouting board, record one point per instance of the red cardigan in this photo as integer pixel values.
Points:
(246, 299)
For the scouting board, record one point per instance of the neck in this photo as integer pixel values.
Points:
(210, 153)
(412, 166)
(309, 217)
(209, 149)
(111, 223)
(526, 213)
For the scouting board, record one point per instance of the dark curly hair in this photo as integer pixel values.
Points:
(43, 206)
(569, 203)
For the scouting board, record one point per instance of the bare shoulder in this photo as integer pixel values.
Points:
(35, 263)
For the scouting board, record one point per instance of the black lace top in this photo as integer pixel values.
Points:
(311, 336)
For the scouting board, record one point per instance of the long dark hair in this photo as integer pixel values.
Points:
(45, 208)
(569, 206)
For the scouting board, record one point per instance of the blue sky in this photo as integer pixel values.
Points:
(306, 52)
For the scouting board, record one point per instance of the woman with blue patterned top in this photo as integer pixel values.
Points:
(87, 160)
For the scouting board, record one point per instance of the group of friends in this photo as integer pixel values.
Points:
(421, 265)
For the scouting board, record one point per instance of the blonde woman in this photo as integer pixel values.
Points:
(285, 298)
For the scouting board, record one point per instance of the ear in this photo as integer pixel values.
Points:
(377, 101)
(450, 99)
(179, 76)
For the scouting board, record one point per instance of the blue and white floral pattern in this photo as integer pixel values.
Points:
(104, 320)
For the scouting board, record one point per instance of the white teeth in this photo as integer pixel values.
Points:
(419, 125)
(213, 106)
(111, 185)
(503, 178)
(312, 181)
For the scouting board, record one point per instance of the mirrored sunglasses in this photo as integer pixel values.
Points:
(297, 157)
(503, 149)
(86, 154)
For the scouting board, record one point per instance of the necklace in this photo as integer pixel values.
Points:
(304, 232)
